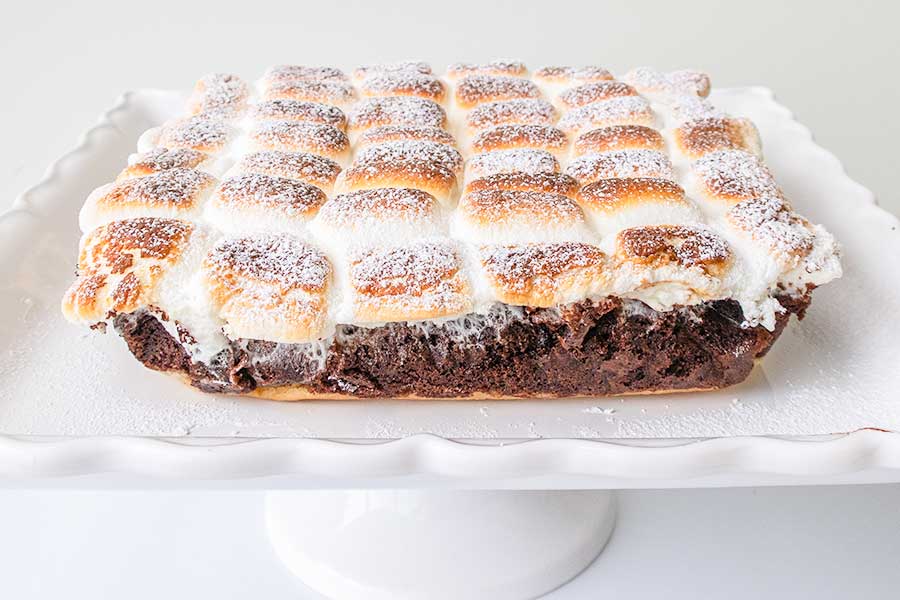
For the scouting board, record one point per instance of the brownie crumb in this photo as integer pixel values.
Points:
(589, 348)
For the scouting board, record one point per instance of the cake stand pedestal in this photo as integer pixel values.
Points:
(430, 544)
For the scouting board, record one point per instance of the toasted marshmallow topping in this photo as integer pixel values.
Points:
(317, 199)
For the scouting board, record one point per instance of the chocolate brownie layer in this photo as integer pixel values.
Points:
(588, 348)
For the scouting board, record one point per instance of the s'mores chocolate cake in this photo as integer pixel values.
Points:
(492, 232)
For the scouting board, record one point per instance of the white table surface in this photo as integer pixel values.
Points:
(835, 67)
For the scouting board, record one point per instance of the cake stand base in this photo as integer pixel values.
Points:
(395, 544)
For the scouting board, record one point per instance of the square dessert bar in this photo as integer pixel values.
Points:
(492, 232)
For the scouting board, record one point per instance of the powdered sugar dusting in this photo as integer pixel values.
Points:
(391, 204)
(417, 281)
(701, 136)
(396, 110)
(475, 89)
(287, 73)
(688, 245)
(299, 110)
(394, 133)
(735, 174)
(557, 183)
(572, 74)
(287, 195)
(219, 94)
(407, 152)
(518, 266)
(682, 82)
(618, 137)
(404, 66)
(198, 133)
(520, 160)
(520, 136)
(420, 280)
(608, 194)
(525, 111)
(329, 92)
(497, 206)
(513, 68)
(691, 108)
(595, 92)
(403, 83)
(621, 164)
(174, 186)
(280, 259)
(625, 110)
(151, 237)
(771, 221)
(295, 165)
(410, 269)
(163, 159)
(293, 136)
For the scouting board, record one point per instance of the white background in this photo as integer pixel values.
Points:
(834, 64)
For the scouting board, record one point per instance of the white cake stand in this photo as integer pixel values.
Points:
(425, 517)
(489, 516)
(390, 544)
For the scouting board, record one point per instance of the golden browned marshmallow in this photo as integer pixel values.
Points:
(288, 73)
(399, 133)
(373, 217)
(292, 136)
(769, 221)
(511, 161)
(509, 216)
(338, 93)
(589, 93)
(692, 108)
(610, 195)
(478, 89)
(120, 265)
(219, 95)
(420, 165)
(404, 83)
(263, 202)
(397, 110)
(508, 137)
(310, 168)
(543, 274)
(555, 183)
(618, 137)
(421, 280)
(696, 138)
(571, 75)
(615, 204)
(509, 68)
(624, 110)
(656, 246)
(162, 159)
(676, 83)
(299, 110)
(405, 66)
(693, 81)
(194, 133)
(621, 164)
(175, 193)
(730, 176)
(524, 111)
(410, 151)
(268, 287)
